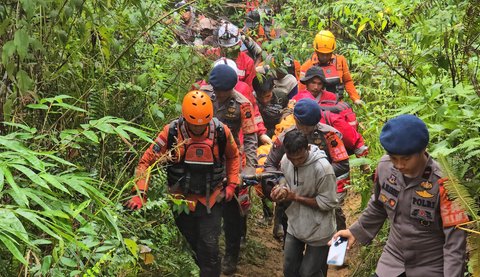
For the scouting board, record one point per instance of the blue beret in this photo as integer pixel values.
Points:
(307, 112)
(404, 135)
(223, 77)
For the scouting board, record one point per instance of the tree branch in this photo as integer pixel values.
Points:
(117, 59)
(386, 61)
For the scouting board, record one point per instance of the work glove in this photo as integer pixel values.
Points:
(136, 202)
(361, 151)
(264, 139)
(230, 192)
(359, 102)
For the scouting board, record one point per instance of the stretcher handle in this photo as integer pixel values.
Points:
(263, 175)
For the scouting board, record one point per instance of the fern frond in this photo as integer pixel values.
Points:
(474, 261)
(96, 102)
(422, 11)
(458, 191)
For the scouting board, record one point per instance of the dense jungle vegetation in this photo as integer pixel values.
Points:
(86, 84)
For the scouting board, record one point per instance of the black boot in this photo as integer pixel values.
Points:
(278, 233)
(229, 264)
(267, 207)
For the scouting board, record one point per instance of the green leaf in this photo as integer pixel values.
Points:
(18, 195)
(472, 154)
(132, 246)
(28, 6)
(21, 126)
(2, 179)
(104, 248)
(54, 182)
(90, 135)
(41, 242)
(14, 145)
(4, 25)
(105, 127)
(13, 249)
(8, 50)
(11, 224)
(35, 162)
(68, 134)
(57, 159)
(31, 175)
(141, 134)
(21, 40)
(35, 219)
(68, 262)
(384, 24)
(55, 213)
(74, 184)
(33, 195)
(80, 208)
(94, 192)
(37, 106)
(107, 214)
(47, 262)
(360, 161)
(470, 144)
(75, 273)
(170, 97)
(121, 132)
(360, 29)
(69, 107)
(57, 98)
(160, 114)
(24, 81)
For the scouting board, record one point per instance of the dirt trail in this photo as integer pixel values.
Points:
(264, 255)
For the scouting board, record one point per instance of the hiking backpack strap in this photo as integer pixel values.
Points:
(172, 134)
(326, 115)
(329, 102)
(343, 106)
(221, 137)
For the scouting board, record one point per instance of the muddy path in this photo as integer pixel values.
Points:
(263, 256)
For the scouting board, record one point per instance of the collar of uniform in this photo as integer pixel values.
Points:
(239, 97)
(419, 179)
(324, 128)
(224, 104)
(315, 58)
(192, 136)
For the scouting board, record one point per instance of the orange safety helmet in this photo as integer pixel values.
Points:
(197, 108)
(324, 42)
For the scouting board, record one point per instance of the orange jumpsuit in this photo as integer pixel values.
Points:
(159, 148)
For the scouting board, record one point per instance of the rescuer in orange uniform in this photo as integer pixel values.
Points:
(334, 66)
(203, 153)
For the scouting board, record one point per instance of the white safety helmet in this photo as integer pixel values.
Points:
(206, 23)
(228, 62)
(228, 35)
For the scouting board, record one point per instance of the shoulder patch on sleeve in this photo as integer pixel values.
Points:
(159, 144)
(248, 122)
(452, 214)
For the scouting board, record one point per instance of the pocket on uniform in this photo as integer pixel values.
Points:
(423, 217)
